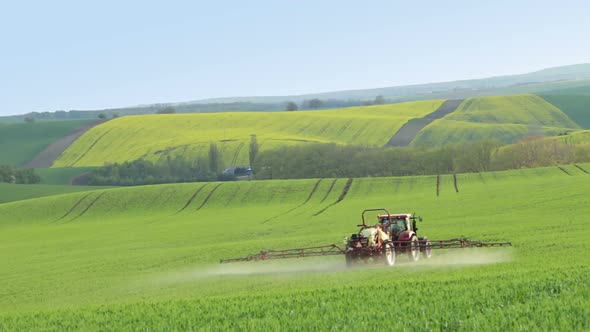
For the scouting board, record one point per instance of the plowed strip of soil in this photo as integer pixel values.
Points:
(46, 157)
(406, 134)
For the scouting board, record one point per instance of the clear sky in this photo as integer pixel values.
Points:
(62, 55)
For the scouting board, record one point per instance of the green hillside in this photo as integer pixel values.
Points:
(146, 257)
(16, 192)
(577, 107)
(502, 118)
(158, 136)
(21, 142)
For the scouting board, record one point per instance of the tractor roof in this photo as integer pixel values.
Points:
(398, 215)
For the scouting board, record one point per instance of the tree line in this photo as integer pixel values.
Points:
(19, 176)
(333, 161)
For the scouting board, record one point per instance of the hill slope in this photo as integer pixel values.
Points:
(159, 136)
(146, 257)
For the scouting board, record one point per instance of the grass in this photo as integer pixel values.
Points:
(16, 192)
(63, 175)
(158, 136)
(21, 142)
(516, 109)
(145, 258)
(443, 132)
(506, 119)
(577, 107)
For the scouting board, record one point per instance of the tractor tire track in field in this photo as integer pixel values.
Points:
(406, 134)
(192, 198)
(340, 198)
(329, 191)
(313, 190)
(581, 169)
(90, 148)
(73, 207)
(455, 182)
(209, 196)
(89, 206)
(437, 185)
(236, 154)
(563, 170)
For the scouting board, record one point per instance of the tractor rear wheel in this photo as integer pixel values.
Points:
(389, 254)
(414, 249)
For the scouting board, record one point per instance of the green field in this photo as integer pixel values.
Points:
(62, 175)
(21, 142)
(157, 136)
(577, 107)
(145, 258)
(502, 118)
(16, 192)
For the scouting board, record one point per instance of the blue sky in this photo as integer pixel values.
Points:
(62, 55)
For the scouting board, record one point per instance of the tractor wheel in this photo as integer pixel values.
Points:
(414, 249)
(427, 252)
(389, 255)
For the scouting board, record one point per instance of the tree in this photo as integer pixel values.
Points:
(379, 100)
(29, 119)
(315, 103)
(253, 148)
(115, 115)
(167, 110)
(214, 158)
(102, 116)
(291, 106)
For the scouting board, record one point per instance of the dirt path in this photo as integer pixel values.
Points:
(46, 157)
(406, 134)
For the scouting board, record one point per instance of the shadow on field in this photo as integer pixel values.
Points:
(297, 267)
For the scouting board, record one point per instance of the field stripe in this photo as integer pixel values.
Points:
(74, 207)
(192, 198)
(581, 169)
(313, 190)
(91, 146)
(89, 206)
(340, 198)
(563, 170)
(209, 196)
(437, 185)
(455, 182)
(329, 191)
(236, 154)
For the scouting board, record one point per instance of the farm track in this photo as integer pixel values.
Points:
(581, 169)
(455, 183)
(89, 206)
(192, 198)
(329, 191)
(406, 134)
(45, 158)
(90, 148)
(563, 170)
(340, 198)
(209, 196)
(73, 207)
(313, 190)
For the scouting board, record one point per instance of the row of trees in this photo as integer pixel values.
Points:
(331, 160)
(20, 176)
(315, 103)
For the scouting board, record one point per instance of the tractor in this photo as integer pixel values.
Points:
(392, 235)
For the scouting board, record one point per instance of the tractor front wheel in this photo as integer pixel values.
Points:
(350, 260)
(389, 254)
(414, 249)
(427, 251)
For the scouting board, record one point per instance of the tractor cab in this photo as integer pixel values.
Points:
(394, 224)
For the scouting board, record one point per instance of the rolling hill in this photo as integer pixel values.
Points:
(159, 136)
(146, 257)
